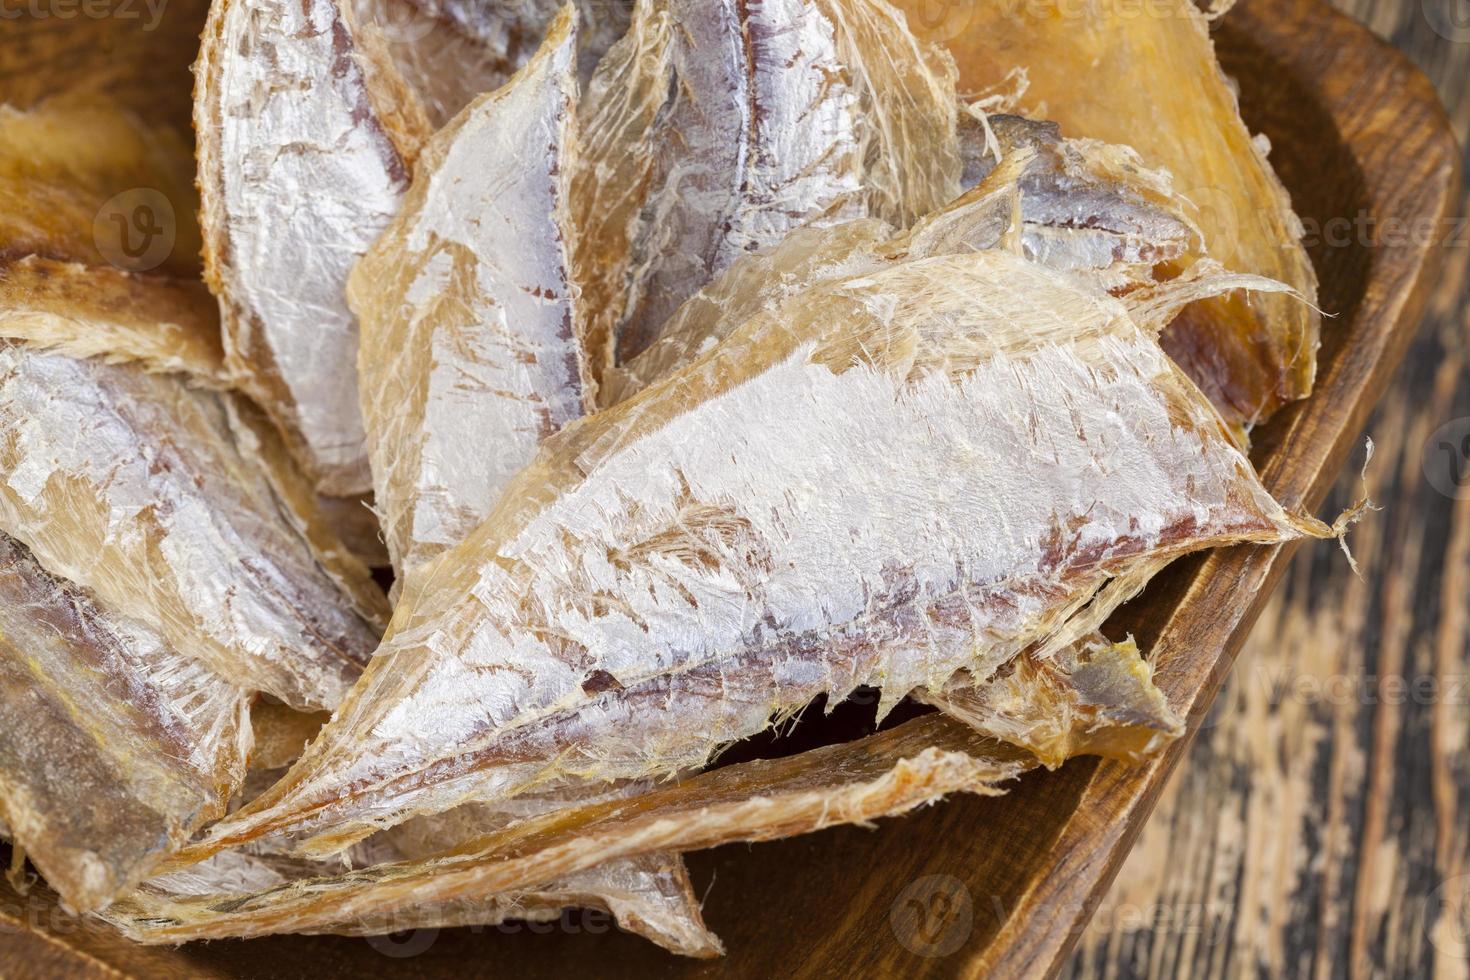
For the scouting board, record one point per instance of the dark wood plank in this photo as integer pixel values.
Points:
(1355, 127)
(1320, 826)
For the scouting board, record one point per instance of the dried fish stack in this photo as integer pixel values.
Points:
(713, 129)
(469, 317)
(743, 370)
(643, 596)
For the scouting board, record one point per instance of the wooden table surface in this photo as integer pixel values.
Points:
(1321, 825)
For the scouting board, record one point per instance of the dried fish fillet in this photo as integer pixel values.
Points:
(1072, 205)
(645, 594)
(635, 899)
(453, 51)
(261, 443)
(712, 129)
(133, 486)
(100, 251)
(1153, 83)
(162, 323)
(1092, 698)
(468, 309)
(469, 312)
(856, 782)
(304, 138)
(114, 749)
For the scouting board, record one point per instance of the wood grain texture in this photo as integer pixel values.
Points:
(1320, 825)
(1003, 886)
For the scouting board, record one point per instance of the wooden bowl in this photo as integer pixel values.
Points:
(976, 886)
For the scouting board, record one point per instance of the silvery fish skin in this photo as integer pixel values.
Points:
(133, 485)
(646, 594)
(713, 129)
(1079, 207)
(469, 354)
(1086, 206)
(856, 782)
(301, 166)
(453, 51)
(1093, 697)
(468, 340)
(114, 749)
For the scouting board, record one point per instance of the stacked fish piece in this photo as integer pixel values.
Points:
(702, 361)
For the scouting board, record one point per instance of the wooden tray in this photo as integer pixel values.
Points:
(994, 887)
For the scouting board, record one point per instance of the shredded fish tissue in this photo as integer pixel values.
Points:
(680, 366)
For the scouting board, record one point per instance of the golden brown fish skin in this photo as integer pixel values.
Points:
(648, 894)
(857, 782)
(716, 128)
(160, 322)
(1094, 697)
(114, 749)
(644, 595)
(63, 160)
(132, 485)
(303, 148)
(1154, 83)
(67, 281)
(281, 732)
(469, 311)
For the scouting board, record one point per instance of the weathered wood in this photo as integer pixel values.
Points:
(1004, 886)
(1320, 825)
